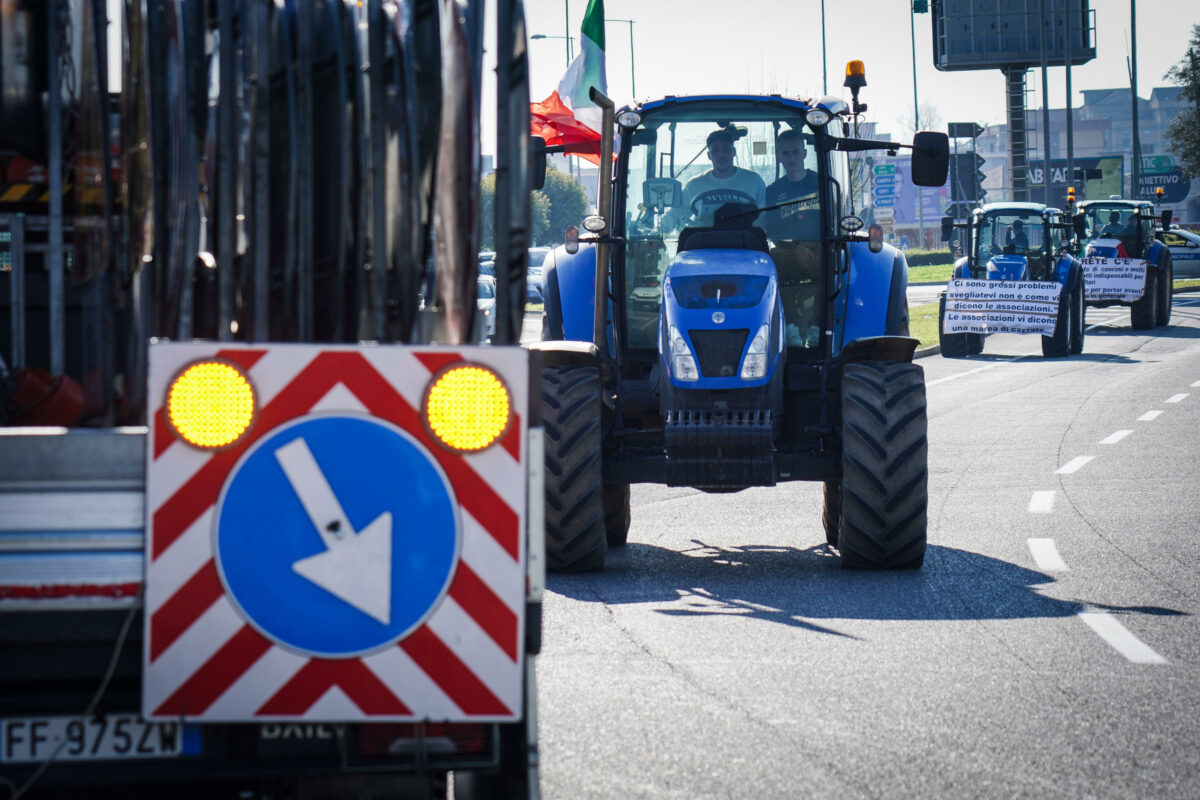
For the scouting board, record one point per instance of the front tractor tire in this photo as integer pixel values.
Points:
(884, 492)
(616, 513)
(575, 515)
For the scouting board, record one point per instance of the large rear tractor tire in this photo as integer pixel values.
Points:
(1079, 328)
(616, 513)
(1143, 313)
(1166, 287)
(575, 535)
(885, 491)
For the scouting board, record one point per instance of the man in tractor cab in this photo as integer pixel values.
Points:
(795, 232)
(724, 183)
(1015, 240)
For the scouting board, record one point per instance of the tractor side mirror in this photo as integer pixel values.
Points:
(1080, 226)
(1166, 218)
(947, 228)
(930, 158)
(537, 163)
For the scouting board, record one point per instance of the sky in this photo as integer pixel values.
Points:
(768, 46)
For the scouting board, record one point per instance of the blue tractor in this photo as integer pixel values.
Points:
(1018, 243)
(748, 333)
(1121, 229)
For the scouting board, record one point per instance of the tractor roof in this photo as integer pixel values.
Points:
(1034, 208)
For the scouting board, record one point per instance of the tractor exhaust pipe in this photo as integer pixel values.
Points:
(604, 204)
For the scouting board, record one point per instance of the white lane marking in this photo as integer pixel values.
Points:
(1175, 398)
(1119, 637)
(1100, 323)
(1046, 556)
(1150, 415)
(1116, 437)
(1195, 385)
(1074, 465)
(1041, 503)
(977, 369)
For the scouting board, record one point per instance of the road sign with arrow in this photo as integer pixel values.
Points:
(336, 563)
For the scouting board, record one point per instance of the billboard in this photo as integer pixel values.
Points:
(994, 34)
(1096, 178)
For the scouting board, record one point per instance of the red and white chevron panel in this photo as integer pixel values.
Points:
(203, 661)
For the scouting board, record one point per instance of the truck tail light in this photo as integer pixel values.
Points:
(433, 738)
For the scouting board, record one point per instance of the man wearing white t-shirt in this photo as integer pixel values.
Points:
(722, 184)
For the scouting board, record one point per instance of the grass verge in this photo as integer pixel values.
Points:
(932, 273)
(923, 323)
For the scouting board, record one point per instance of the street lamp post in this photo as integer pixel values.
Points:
(632, 80)
(570, 43)
(912, 27)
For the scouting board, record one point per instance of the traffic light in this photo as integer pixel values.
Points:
(920, 6)
(966, 179)
(978, 178)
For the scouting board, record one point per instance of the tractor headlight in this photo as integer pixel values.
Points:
(755, 363)
(683, 363)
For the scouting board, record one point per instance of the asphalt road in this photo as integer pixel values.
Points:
(1049, 647)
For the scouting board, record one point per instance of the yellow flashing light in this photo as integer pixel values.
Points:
(856, 75)
(468, 408)
(210, 404)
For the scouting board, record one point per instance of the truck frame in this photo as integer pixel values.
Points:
(289, 191)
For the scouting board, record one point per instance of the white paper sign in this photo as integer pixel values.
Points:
(975, 306)
(1121, 279)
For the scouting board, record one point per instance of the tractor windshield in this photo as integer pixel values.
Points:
(694, 166)
(1010, 233)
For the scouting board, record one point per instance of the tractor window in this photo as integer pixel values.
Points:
(670, 184)
(1012, 234)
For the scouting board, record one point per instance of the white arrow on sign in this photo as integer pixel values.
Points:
(355, 567)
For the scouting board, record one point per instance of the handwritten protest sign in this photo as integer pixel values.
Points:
(1121, 279)
(975, 306)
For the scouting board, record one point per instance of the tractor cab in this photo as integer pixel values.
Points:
(1016, 241)
(1116, 228)
(702, 181)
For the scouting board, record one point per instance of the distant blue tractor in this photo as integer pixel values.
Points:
(1019, 242)
(742, 342)
(1117, 228)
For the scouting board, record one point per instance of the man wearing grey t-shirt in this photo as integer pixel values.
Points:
(722, 184)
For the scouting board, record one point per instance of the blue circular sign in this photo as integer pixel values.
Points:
(336, 535)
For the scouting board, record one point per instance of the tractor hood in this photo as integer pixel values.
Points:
(1008, 268)
(718, 301)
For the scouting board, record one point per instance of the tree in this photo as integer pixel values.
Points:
(540, 210)
(568, 205)
(930, 119)
(1183, 132)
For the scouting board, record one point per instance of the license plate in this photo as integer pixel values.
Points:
(105, 737)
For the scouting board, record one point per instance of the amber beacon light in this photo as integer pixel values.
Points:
(467, 408)
(210, 404)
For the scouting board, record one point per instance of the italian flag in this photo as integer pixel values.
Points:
(568, 116)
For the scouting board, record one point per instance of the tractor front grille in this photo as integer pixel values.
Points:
(719, 352)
